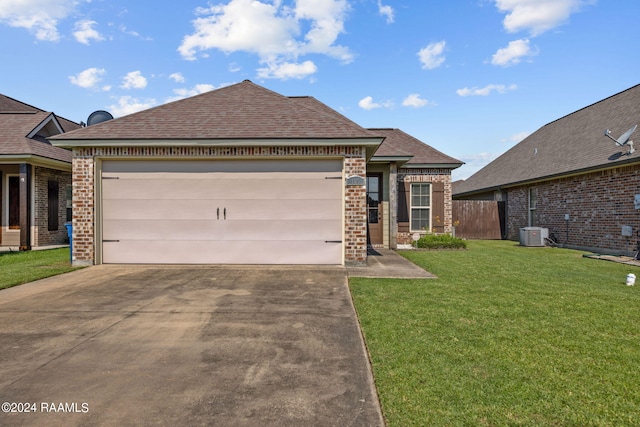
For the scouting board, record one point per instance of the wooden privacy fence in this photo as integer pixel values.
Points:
(479, 219)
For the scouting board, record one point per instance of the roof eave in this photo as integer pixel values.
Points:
(569, 174)
(35, 160)
(369, 143)
(432, 165)
(400, 160)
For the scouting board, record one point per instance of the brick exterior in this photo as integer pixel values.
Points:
(355, 241)
(598, 204)
(429, 175)
(42, 235)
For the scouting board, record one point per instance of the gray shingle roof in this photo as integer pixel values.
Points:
(399, 143)
(572, 144)
(18, 120)
(240, 111)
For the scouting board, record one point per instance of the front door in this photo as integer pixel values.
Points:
(374, 209)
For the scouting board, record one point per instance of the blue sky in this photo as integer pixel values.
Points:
(468, 77)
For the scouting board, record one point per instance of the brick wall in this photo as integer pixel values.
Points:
(42, 235)
(598, 204)
(429, 175)
(82, 205)
(355, 243)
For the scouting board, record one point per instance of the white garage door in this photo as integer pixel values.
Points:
(222, 212)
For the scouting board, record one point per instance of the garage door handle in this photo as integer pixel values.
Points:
(333, 241)
(225, 213)
(218, 213)
(111, 241)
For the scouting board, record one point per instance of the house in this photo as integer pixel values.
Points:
(35, 177)
(572, 179)
(244, 175)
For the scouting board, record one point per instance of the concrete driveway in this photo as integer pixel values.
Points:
(224, 346)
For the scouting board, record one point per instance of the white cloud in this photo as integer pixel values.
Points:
(134, 80)
(134, 33)
(537, 16)
(177, 77)
(275, 32)
(128, 105)
(287, 70)
(414, 100)
(386, 11)
(516, 138)
(485, 91)
(196, 90)
(513, 53)
(89, 78)
(472, 164)
(367, 103)
(84, 32)
(432, 56)
(40, 17)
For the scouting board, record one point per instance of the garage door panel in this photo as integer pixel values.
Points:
(214, 210)
(227, 165)
(186, 189)
(203, 252)
(231, 212)
(218, 176)
(176, 230)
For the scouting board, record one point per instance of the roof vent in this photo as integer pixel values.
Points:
(99, 117)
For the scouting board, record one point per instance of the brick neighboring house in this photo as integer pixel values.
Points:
(246, 175)
(35, 177)
(568, 167)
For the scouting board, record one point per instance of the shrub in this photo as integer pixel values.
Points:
(440, 241)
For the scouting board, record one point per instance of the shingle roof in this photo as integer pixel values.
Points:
(240, 111)
(18, 120)
(10, 105)
(572, 144)
(399, 143)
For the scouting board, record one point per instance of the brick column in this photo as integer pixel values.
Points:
(393, 205)
(355, 245)
(25, 207)
(83, 215)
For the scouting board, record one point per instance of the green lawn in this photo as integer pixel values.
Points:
(17, 268)
(506, 336)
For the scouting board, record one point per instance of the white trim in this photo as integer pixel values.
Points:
(430, 207)
(15, 159)
(50, 118)
(224, 142)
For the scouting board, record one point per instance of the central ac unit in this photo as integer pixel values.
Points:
(533, 236)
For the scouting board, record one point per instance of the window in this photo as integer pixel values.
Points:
(420, 207)
(532, 207)
(69, 203)
(52, 198)
(14, 202)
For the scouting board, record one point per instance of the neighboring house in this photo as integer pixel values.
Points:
(35, 177)
(570, 178)
(244, 175)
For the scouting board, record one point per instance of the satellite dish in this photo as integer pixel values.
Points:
(99, 117)
(624, 139)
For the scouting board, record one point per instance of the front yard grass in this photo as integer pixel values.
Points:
(17, 268)
(505, 336)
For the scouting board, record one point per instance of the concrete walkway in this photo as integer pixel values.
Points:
(387, 264)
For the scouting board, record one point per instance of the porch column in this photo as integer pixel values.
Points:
(393, 205)
(25, 207)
